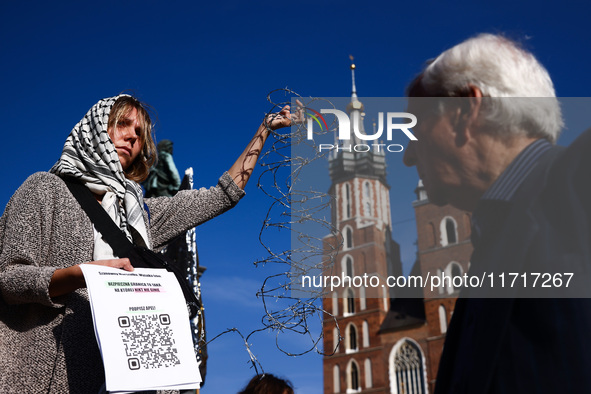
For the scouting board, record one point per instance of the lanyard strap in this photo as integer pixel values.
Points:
(139, 256)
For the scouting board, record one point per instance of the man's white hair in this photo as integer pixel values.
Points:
(507, 74)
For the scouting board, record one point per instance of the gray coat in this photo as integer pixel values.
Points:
(48, 345)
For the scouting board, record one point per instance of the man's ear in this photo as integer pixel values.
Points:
(466, 117)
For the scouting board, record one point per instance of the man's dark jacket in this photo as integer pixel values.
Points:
(528, 345)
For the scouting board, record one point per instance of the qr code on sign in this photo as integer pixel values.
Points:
(148, 341)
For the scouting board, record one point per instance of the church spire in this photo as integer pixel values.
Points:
(354, 89)
(355, 157)
(355, 108)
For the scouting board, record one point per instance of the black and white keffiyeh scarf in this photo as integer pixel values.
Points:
(90, 155)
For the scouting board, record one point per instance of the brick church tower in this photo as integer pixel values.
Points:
(384, 344)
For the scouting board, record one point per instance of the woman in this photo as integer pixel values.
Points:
(47, 340)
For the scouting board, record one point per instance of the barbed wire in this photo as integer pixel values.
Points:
(290, 210)
(296, 207)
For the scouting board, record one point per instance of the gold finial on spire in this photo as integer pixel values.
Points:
(352, 64)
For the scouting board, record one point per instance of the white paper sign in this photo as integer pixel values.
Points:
(142, 329)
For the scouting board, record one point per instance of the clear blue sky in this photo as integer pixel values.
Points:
(206, 67)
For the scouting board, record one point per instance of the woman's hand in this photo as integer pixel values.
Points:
(285, 118)
(124, 264)
(67, 280)
(242, 168)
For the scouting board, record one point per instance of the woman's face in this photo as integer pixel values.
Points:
(125, 137)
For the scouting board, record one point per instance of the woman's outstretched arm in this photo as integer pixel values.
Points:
(242, 169)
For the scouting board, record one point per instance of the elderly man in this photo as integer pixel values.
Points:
(485, 144)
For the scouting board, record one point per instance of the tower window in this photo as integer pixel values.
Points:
(365, 334)
(350, 301)
(368, 377)
(453, 269)
(335, 304)
(354, 377)
(406, 368)
(348, 238)
(456, 270)
(352, 338)
(336, 339)
(450, 226)
(442, 319)
(349, 267)
(336, 379)
(347, 201)
(367, 200)
(449, 231)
